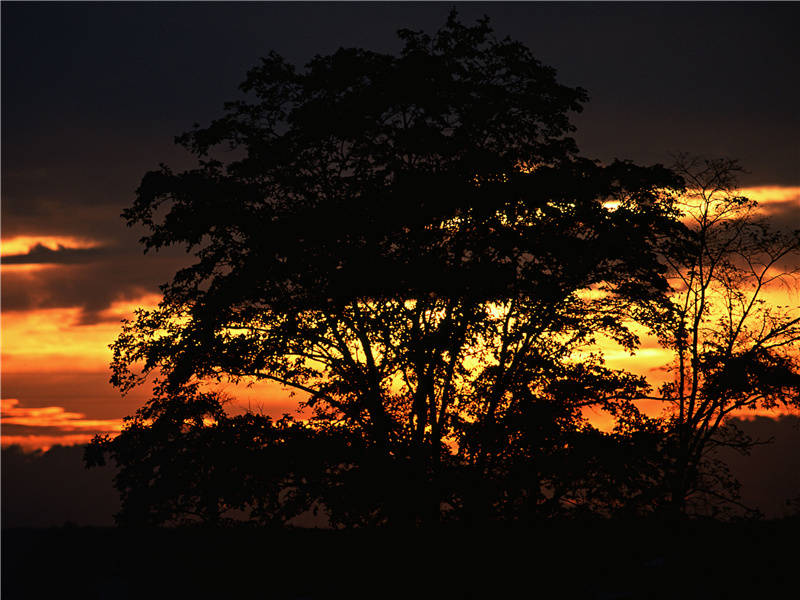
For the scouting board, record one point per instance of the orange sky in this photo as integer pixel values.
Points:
(55, 365)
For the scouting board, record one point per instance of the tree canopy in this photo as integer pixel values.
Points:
(414, 244)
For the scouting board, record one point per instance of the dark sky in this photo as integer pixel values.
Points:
(92, 95)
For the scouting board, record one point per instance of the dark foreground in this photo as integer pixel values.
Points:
(599, 560)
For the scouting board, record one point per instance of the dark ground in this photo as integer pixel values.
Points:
(597, 560)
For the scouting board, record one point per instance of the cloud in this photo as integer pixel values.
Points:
(41, 254)
(45, 426)
(22, 244)
(91, 279)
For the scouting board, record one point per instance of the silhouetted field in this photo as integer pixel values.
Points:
(608, 559)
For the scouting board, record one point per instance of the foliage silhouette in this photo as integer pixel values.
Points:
(413, 244)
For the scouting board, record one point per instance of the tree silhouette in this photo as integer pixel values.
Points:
(734, 350)
(414, 244)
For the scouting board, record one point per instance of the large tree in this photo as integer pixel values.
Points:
(414, 244)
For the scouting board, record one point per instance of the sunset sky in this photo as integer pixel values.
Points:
(93, 94)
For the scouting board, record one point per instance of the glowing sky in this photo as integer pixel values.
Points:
(55, 362)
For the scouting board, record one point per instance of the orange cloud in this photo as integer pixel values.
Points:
(46, 426)
(52, 416)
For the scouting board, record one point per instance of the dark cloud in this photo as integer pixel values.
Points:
(64, 255)
(93, 286)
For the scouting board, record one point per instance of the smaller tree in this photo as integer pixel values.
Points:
(734, 349)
